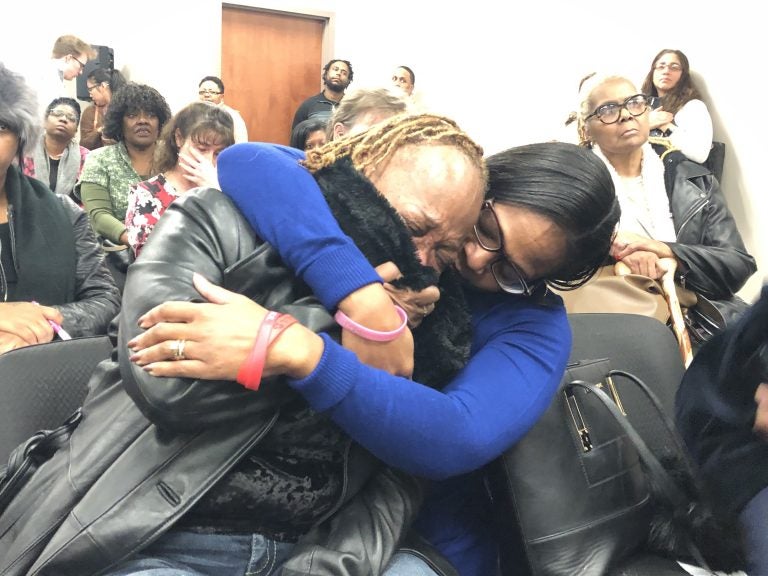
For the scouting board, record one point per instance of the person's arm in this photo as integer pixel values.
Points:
(90, 137)
(713, 259)
(284, 205)
(519, 355)
(507, 384)
(692, 132)
(97, 298)
(101, 212)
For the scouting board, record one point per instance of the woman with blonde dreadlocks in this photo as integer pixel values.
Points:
(199, 476)
(548, 218)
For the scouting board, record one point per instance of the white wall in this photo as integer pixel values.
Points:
(508, 75)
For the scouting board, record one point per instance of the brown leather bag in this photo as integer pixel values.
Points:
(628, 294)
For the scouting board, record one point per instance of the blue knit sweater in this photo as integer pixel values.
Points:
(519, 351)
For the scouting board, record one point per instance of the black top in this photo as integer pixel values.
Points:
(317, 106)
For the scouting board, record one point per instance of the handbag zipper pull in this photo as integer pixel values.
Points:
(578, 421)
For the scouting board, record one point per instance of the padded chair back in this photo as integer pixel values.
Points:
(41, 385)
(716, 160)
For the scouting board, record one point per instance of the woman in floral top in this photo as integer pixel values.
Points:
(186, 158)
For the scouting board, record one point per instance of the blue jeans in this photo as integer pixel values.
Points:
(405, 564)
(753, 521)
(192, 554)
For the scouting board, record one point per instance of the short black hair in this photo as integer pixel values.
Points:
(133, 97)
(215, 79)
(569, 185)
(304, 128)
(71, 102)
(330, 63)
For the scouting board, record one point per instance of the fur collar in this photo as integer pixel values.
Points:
(442, 340)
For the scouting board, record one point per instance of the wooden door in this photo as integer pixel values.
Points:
(270, 63)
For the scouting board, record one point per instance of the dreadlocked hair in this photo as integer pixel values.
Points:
(371, 150)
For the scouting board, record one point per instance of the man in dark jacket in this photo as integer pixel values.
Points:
(723, 416)
(337, 75)
(209, 477)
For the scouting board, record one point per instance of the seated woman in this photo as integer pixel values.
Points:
(233, 477)
(135, 118)
(681, 116)
(58, 160)
(101, 84)
(48, 253)
(671, 208)
(548, 219)
(186, 158)
(309, 134)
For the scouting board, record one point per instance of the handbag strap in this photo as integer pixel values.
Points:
(658, 475)
(38, 448)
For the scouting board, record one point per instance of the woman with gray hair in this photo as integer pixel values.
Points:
(671, 207)
(48, 253)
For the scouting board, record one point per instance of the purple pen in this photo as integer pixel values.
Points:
(63, 334)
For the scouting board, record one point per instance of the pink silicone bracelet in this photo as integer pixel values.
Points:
(366, 333)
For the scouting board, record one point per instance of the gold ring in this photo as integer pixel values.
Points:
(177, 348)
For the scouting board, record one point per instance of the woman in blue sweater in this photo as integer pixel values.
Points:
(549, 218)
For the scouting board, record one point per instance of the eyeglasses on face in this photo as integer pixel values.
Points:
(208, 93)
(76, 59)
(611, 112)
(673, 67)
(92, 88)
(488, 235)
(68, 116)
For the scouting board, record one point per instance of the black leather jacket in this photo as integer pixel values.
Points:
(116, 488)
(712, 256)
(94, 299)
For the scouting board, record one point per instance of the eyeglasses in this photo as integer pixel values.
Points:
(611, 112)
(82, 66)
(92, 88)
(208, 93)
(62, 114)
(488, 235)
(674, 67)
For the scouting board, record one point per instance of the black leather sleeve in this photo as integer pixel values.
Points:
(97, 298)
(344, 545)
(714, 260)
(203, 232)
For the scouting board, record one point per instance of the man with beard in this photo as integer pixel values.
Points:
(337, 74)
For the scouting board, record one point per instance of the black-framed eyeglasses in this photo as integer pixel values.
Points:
(63, 114)
(611, 112)
(208, 93)
(92, 88)
(488, 234)
(76, 59)
(673, 66)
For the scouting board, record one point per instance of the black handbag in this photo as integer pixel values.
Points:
(28, 456)
(570, 496)
(584, 491)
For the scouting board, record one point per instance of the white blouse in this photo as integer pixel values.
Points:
(692, 131)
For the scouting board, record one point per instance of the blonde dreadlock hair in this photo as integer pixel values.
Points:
(371, 150)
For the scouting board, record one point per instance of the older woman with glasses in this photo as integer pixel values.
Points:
(549, 219)
(678, 110)
(671, 207)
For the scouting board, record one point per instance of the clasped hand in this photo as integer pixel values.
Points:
(640, 254)
(25, 323)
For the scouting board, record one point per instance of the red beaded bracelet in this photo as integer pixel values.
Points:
(252, 368)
